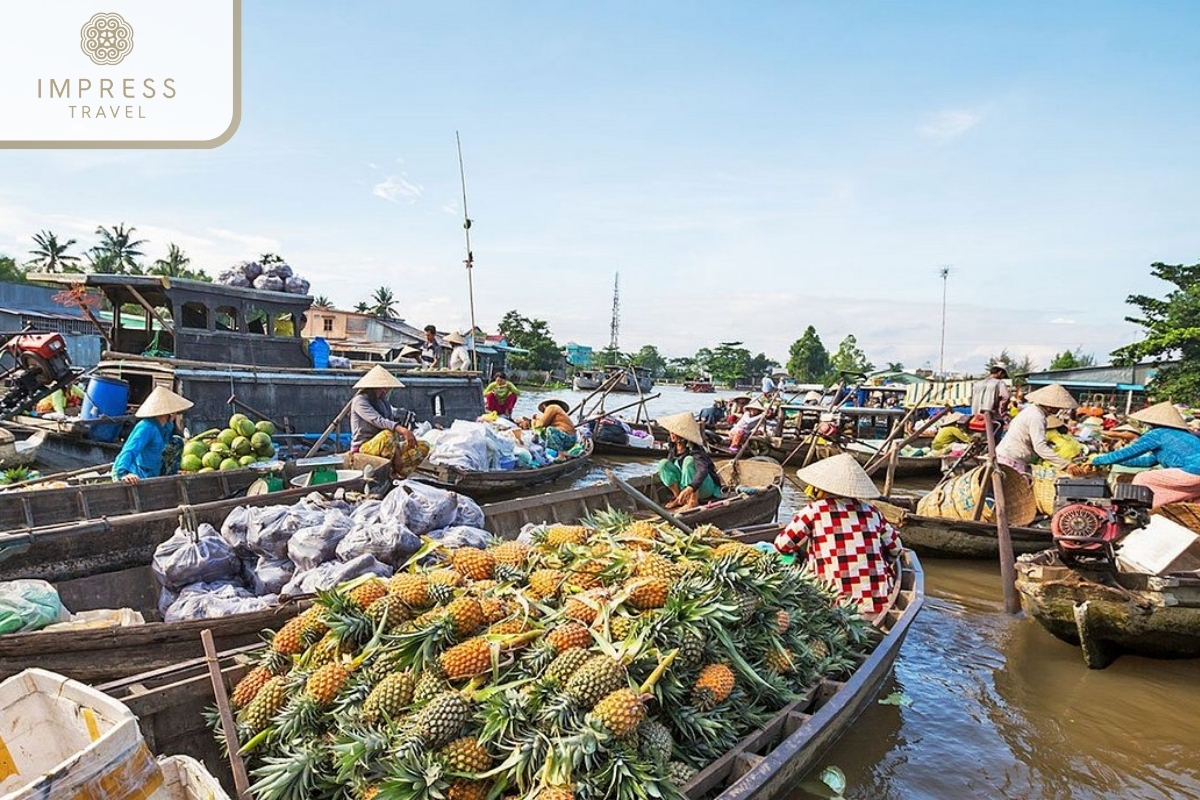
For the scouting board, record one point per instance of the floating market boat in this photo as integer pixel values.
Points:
(657, 448)
(1108, 613)
(865, 452)
(170, 705)
(485, 485)
(956, 538)
(632, 380)
(699, 386)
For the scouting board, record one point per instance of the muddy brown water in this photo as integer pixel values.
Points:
(999, 707)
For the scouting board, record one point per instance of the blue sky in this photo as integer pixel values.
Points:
(749, 168)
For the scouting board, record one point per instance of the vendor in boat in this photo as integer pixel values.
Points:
(848, 541)
(1169, 445)
(460, 356)
(750, 421)
(431, 351)
(409, 354)
(153, 448)
(1066, 445)
(711, 416)
(1026, 435)
(737, 406)
(500, 396)
(953, 429)
(555, 425)
(688, 470)
(992, 394)
(373, 432)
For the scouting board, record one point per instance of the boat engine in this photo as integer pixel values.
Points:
(1089, 519)
(40, 367)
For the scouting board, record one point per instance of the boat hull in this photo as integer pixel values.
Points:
(1156, 617)
(946, 538)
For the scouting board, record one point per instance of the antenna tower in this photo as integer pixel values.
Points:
(615, 326)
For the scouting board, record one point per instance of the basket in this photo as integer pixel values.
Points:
(1045, 490)
(956, 498)
(1185, 513)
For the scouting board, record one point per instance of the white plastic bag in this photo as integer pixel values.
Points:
(333, 573)
(462, 536)
(188, 558)
(272, 574)
(467, 512)
(315, 545)
(389, 542)
(419, 507)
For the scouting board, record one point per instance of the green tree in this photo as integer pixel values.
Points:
(894, 366)
(850, 358)
(361, 307)
(382, 303)
(1017, 367)
(1072, 359)
(760, 365)
(608, 357)
(175, 265)
(532, 335)
(808, 360)
(1171, 330)
(117, 251)
(51, 255)
(649, 358)
(729, 363)
(681, 368)
(321, 301)
(11, 271)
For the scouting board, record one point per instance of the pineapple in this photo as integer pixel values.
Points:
(365, 594)
(388, 612)
(690, 643)
(545, 583)
(322, 688)
(567, 636)
(621, 712)
(712, 686)
(655, 741)
(445, 575)
(325, 682)
(640, 529)
(467, 790)
(265, 705)
(554, 793)
(482, 587)
(466, 755)
(599, 676)
(390, 697)
(477, 565)
(655, 565)
(289, 640)
(511, 554)
(249, 686)
(430, 684)
(680, 773)
(647, 593)
(779, 660)
(466, 615)
(442, 718)
(559, 535)
(584, 608)
(510, 626)
(413, 590)
(466, 660)
(783, 621)
(507, 573)
(621, 626)
(494, 609)
(567, 664)
(738, 551)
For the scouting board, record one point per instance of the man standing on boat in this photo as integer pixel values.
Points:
(992, 394)
(431, 351)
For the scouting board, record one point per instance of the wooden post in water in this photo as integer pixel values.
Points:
(1008, 569)
(893, 458)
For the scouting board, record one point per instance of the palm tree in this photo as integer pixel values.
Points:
(175, 265)
(894, 366)
(383, 303)
(362, 308)
(121, 248)
(321, 301)
(101, 262)
(51, 254)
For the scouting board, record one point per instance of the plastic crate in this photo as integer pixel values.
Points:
(1081, 488)
(185, 778)
(62, 739)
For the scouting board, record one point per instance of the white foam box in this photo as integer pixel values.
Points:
(62, 739)
(1162, 547)
(185, 778)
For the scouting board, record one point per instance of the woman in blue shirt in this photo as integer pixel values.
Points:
(142, 456)
(1169, 445)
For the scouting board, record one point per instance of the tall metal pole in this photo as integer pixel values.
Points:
(470, 259)
(945, 273)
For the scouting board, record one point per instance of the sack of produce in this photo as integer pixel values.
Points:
(29, 605)
(314, 545)
(296, 285)
(390, 542)
(464, 445)
(419, 507)
(212, 601)
(467, 512)
(278, 269)
(269, 283)
(462, 536)
(266, 531)
(332, 573)
(251, 269)
(166, 598)
(194, 557)
(236, 527)
(366, 512)
(272, 574)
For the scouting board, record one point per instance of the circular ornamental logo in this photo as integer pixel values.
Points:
(106, 38)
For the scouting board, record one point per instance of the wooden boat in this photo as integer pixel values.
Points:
(1108, 613)
(19, 452)
(954, 538)
(170, 705)
(633, 380)
(506, 482)
(906, 466)
(657, 449)
(700, 387)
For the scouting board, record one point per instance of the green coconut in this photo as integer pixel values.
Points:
(227, 436)
(262, 444)
(236, 420)
(212, 460)
(266, 426)
(229, 463)
(195, 448)
(219, 447)
(240, 446)
(246, 461)
(190, 463)
(207, 469)
(246, 428)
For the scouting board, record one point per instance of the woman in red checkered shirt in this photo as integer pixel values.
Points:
(849, 543)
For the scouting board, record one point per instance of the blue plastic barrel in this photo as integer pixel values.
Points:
(318, 348)
(105, 397)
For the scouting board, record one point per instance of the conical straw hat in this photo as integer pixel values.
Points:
(1052, 396)
(683, 425)
(840, 475)
(162, 401)
(378, 378)
(812, 397)
(1054, 421)
(409, 352)
(1163, 414)
(456, 338)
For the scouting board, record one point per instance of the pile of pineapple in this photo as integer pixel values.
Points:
(611, 659)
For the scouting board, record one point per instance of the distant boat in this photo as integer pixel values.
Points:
(700, 385)
(591, 379)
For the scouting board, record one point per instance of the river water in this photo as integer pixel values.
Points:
(999, 707)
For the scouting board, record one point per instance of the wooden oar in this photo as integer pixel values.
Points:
(336, 421)
(228, 729)
(879, 460)
(647, 502)
(621, 408)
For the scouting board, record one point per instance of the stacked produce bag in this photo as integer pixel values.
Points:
(271, 274)
(606, 660)
(263, 552)
(488, 445)
(243, 443)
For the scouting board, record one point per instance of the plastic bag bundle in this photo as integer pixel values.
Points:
(464, 445)
(278, 269)
(316, 501)
(461, 536)
(332, 573)
(29, 605)
(210, 601)
(188, 558)
(420, 507)
(389, 542)
(366, 512)
(166, 598)
(251, 269)
(314, 545)
(467, 512)
(233, 277)
(272, 574)
(236, 527)
(269, 283)
(296, 285)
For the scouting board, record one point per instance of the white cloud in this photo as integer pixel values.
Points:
(1062, 321)
(396, 188)
(946, 126)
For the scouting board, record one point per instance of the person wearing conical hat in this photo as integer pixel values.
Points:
(460, 356)
(1026, 435)
(1168, 444)
(409, 353)
(751, 420)
(500, 396)
(847, 541)
(152, 448)
(374, 429)
(688, 470)
(553, 422)
(951, 431)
